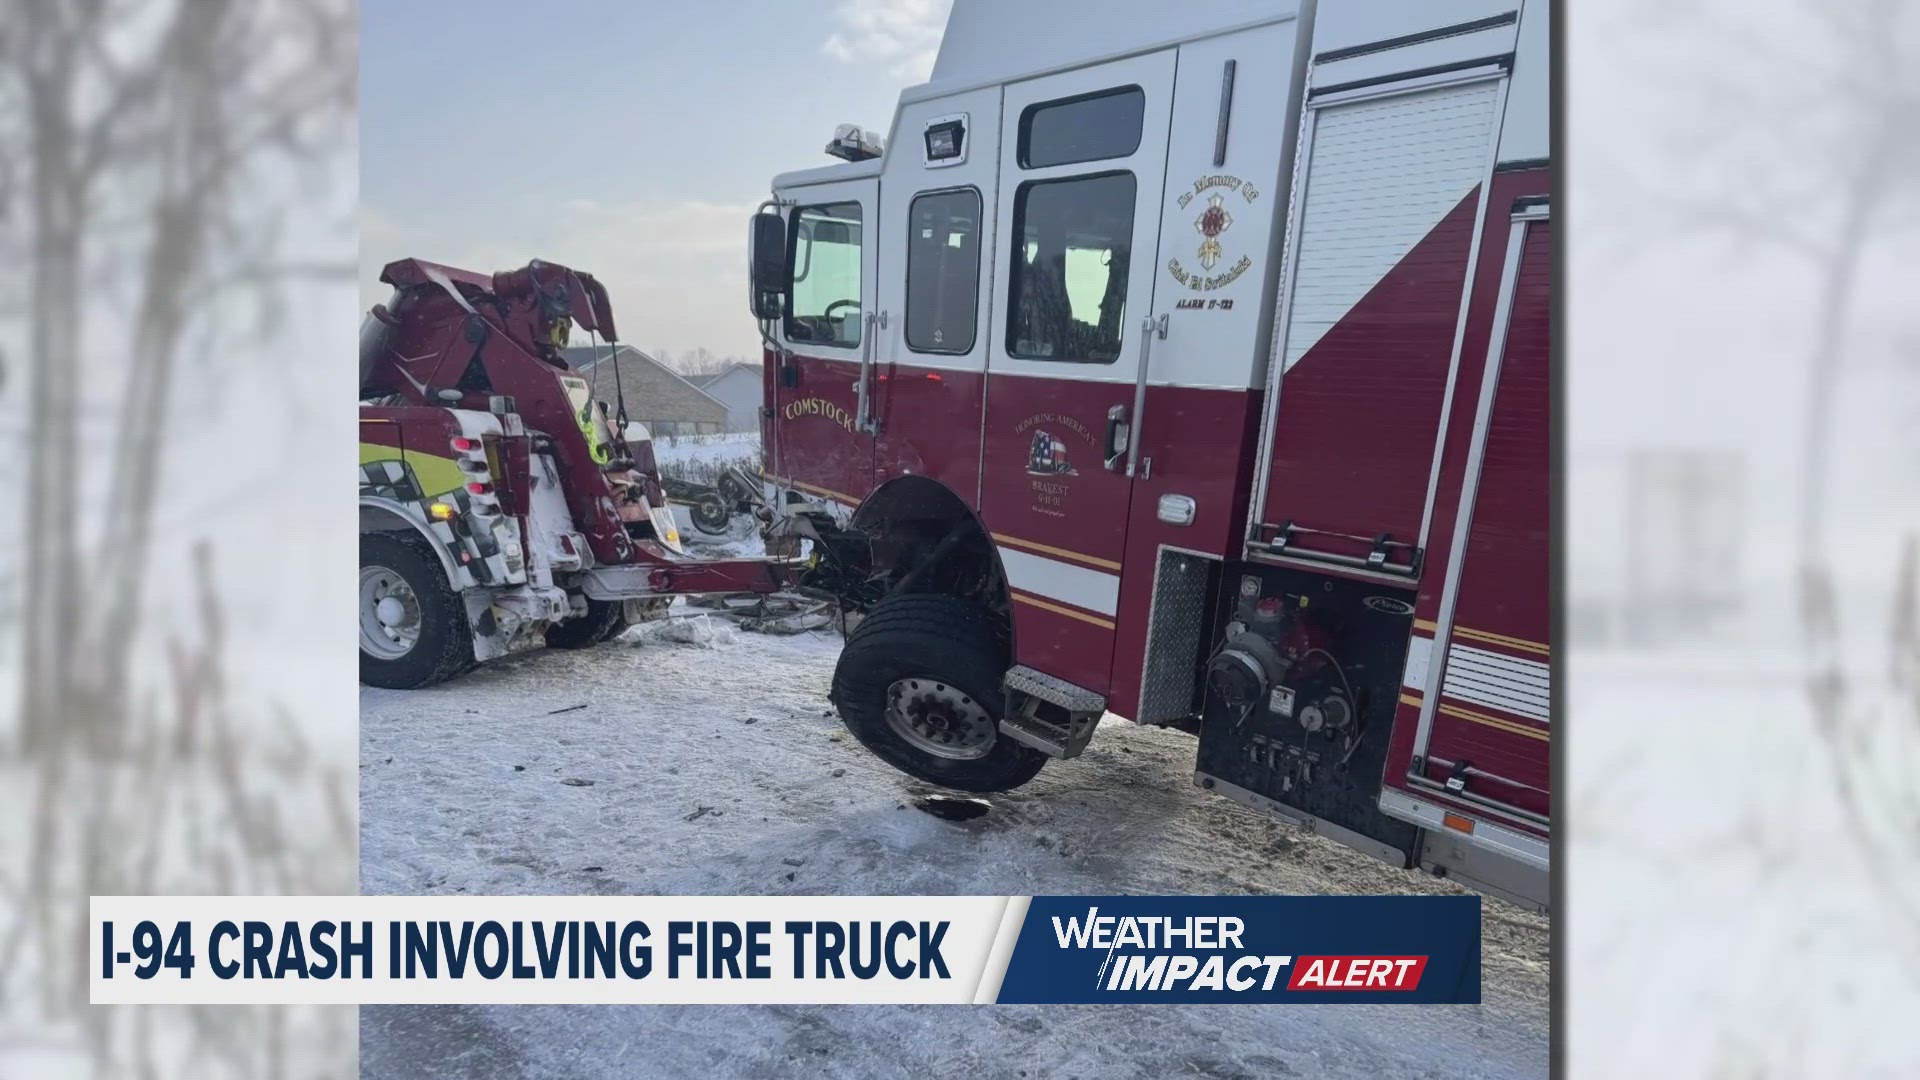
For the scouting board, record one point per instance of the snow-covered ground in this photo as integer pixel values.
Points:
(702, 458)
(708, 761)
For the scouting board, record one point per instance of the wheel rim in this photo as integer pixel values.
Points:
(711, 514)
(389, 614)
(939, 718)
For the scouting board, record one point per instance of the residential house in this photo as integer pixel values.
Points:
(738, 386)
(656, 395)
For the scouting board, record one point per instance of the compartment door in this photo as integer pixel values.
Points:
(1380, 248)
(1484, 723)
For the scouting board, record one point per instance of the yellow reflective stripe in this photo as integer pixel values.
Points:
(1487, 636)
(1509, 726)
(1047, 549)
(1067, 611)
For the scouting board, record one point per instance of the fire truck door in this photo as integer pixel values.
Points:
(829, 331)
(1081, 173)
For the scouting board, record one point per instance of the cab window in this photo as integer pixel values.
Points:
(943, 271)
(1067, 290)
(823, 275)
(1084, 128)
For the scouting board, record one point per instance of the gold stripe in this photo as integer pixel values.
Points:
(1487, 636)
(1057, 609)
(828, 492)
(1478, 718)
(1493, 722)
(1104, 564)
(1501, 639)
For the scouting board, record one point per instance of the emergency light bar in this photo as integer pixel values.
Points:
(850, 143)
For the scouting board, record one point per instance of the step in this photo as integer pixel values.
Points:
(1065, 730)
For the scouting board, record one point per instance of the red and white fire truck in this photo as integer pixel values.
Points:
(1189, 362)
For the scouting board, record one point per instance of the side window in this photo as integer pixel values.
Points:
(823, 275)
(943, 271)
(1067, 293)
(1085, 128)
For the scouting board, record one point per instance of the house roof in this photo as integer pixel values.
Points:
(712, 377)
(583, 358)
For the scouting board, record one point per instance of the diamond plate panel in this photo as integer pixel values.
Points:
(1174, 627)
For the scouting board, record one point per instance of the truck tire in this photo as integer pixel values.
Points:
(918, 683)
(603, 619)
(422, 636)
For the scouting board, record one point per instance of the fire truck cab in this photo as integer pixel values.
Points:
(1189, 363)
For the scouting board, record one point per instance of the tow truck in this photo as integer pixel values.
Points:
(501, 505)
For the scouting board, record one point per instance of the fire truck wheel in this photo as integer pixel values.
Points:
(918, 684)
(413, 628)
(602, 620)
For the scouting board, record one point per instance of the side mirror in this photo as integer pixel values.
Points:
(767, 259)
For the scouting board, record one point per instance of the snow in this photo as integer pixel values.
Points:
(671, 450)
(712, 764)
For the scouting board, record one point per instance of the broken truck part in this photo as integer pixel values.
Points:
(500, 504)
(1190, 363)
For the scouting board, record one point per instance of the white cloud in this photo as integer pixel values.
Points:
(903, 34)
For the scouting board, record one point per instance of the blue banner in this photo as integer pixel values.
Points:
(1248, 949)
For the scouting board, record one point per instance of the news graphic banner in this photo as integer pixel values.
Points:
(264, 950)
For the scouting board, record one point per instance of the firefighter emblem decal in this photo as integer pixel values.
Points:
(1048, 465)
(1048, 456)
(1212, 222)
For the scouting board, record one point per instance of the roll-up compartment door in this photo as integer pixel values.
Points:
(1379, 254)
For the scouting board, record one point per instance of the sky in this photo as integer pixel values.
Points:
(632, 140)
(628, 139)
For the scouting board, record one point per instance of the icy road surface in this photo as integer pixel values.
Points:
(713, 766)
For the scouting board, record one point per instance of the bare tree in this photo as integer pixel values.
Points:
(143, 134)
(1825, 175)
(147, 148)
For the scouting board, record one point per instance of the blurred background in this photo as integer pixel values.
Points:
(1741, 512)
(177, 704)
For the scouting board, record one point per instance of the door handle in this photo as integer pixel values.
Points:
(864, 417)
(1116, 449)
(1150, 327)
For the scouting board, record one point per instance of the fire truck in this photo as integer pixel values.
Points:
(1189, 363)
(501, 505)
